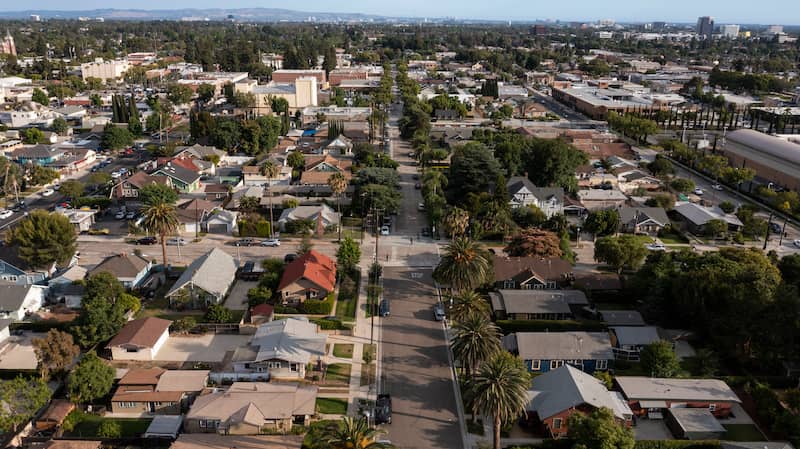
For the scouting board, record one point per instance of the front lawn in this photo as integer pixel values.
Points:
(338, 373)
(343, 350)
(743, 432)
(348, 296)
(331, 406)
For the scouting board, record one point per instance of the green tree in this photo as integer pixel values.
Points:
(473, 170)
(59, 126)
(72, 189)
(715, 228)
(179, 93)
(161, 219)
(296, 160)
(54, 353)
(205, 92)
(682, 185)
(664, 200)
(456, 222)
(605, 377)
(465, 265)
(91, 379)
(602, 222)
(468, 303)
(96, 100)
(99, 178)
(500, 390)
(116, 137)
(354, 433)
(381, 196)
(22, 398)
(33, 136)
(658, 359)
(42, 175)
(44, 238)
(338, 184)
(103, 309)
(249, 204)
(661, 166)
(528, 216)
(155, 194)
(599, 430)
(620, 252)
(109, 429)
(348, 255)
(270, 169)
(534, 243)
(40, 97)
(217, 313)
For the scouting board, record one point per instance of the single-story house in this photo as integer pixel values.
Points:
(546, 351)
(531, 273)
(279, 350)
(310, 276)
(693, 424)
(556, 395)
(631, 180)
(642, 220)
(209, 440)
(523, 193)
(324, 212)
(599, 199)
(319, 169)
(130, 269)
(615, 318)
(251, 408)
(628, 341)
(598, 283)
(537, 304)
(205, 281)
(17, 301)
(262, 313)
(650, 396)
(221, 221)
(696, 217)
(157, 391)
(81, 220)
(192, 214)
(140, 339)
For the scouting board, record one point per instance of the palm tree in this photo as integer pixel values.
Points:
(338, 184)
(356, 434)
(475, 340)
(270, 170)
(468, 303)
(161, 219)
(465, 265)
(500, 390)
(456, 222)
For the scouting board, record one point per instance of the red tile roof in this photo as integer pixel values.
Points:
(313, 266)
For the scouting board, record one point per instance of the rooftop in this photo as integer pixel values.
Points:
(560, 345)
(143, 333)
(537, 301)
(654, 388)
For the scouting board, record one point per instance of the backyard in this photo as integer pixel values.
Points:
(331, 406)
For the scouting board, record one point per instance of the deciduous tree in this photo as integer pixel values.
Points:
(90, 380)
(54, 353)
(658, 359)
(21, 399)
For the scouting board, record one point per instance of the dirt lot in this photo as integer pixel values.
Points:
(209, 348)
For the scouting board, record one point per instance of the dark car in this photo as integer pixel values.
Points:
(383, 308)
(147, 241)
(289, 257)
(775, 228)
(383, 409)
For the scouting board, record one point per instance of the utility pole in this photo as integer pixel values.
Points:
(766, 237)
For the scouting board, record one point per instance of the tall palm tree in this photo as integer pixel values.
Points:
(500, 390)
(356, 434)
(456, 222)
(270, 170)
(468, 303)
(475, 340)
(338, 184)
(162, 220)
(465, 265)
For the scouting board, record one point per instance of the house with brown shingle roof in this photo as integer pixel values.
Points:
(140, 339)
(310, 276)
(128, 188)
(320, 168)
(130, 269)
(157, 391)
(531, 272)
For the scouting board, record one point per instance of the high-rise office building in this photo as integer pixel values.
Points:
(730, 31)
(705, 26)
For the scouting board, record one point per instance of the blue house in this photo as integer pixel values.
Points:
(37, 154)
(14, 270)
(545, 351)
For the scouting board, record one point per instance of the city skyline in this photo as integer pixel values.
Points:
(680, 11)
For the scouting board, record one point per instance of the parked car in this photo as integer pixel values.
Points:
(421, 206)
(56, 187)
(383, 308)
(775, 228)
(289, 257)
(417, 185)
(48, 192)
(698, 191)
(383, 409)
(796, 243)
(120, 215)
(716, 186)
(20, 205)
(130, 215)
(438, 312)
(177, 241)
(246, 242)
(415, 176)
(147, 241)
(656, 247)
(5, 213)
(271, 242)
(101, 231)
(115, 175)
(384, 230)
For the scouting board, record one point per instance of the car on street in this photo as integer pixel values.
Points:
(383, 308)
(417, 186)
(115, 175)
(415, 176)
(716, 186)
(4, 213)
(698, 191)
(56, 187)
(147, 241)
(656, 247)
(426, 232)
(271, 242)
(130, 215)
(246, 242)
(421, 206)
(383, 409)
(384, 230)
(48, 192)
(796, 243)
(120, 215)
(177, 241)
(438, 312)
(775, 228)
(20, 205)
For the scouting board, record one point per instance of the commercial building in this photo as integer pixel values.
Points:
(105, 70)
(299, 93)
(705, 26)
(730, 31)
(596, 102)
(285, 76)
(774, 159)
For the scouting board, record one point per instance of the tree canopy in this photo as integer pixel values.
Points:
(91, 379)
(44, 238)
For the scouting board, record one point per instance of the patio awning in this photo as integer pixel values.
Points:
(652, 404)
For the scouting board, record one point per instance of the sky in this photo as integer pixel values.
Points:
(785, 12)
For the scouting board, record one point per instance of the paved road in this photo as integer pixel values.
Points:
(415, 369)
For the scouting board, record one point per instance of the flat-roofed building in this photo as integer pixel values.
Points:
(774, 159)
(596, 102)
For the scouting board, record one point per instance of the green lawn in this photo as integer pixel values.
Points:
(338, 373)
(743, 432)
(673, 239)
(331, 406)
(343, 350)
(368, 352)
(130, 427)
(346, 309)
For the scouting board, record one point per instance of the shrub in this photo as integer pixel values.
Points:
(109, 429)
(184, 324)
(330, 324)
(727, 207)
(315, 307)
(258, 228)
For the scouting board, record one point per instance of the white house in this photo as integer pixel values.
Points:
(523, 193)
(18, 300)
(140, 340)
(329, 216)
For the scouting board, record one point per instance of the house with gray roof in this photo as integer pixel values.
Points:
(130, 269)
(556, 395)
(322, 212)
(696, 217)
(537, 304)
(653, 395)
(622, 317)
(523, 193)
(642, 220)
(207, 280)
(628, 341)
(546, 351)
(599, 199)
(17, 301)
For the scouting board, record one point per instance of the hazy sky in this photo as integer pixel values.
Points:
(724, 11)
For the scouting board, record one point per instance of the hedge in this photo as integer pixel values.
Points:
(254, 229)
(511, 326)
(314, 307)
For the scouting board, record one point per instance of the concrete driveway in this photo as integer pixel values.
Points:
(651, 429)
(237, 298)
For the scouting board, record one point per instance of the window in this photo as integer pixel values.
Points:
(293, 367)
(536, 365)
(712, 407)
(508, 284)
(602, 364)
(131, 349)
(127, 404)
(557, 423)
(556, 363)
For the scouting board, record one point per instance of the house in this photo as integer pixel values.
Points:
(17, 301)
(310, 276)
(323, 212)
(642, 220)
(622, 318)
(16, 271)
(546, 351)
(216, 192)
(130, 269)
(80, 219)
(319, 169)
(696, 217)
(128, 189)
(523, 193)
(64, 288)
(252, 408)
(599, 199)
(340, 146)
(220, 221)
(694, 424)
(531, 273)
(191, 214)
(183, 179)
(157, 391)
(139, 339)
(598, 284)
(37, 154)
(537, 304)
(631, 180)
(201, 152)
(208, 441)
(628, 341)
(251, 174)
(206, 280)
(556, 395)
(650, 396)
(279, 350)
(262, 313)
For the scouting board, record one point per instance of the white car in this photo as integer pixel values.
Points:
(115, 175)
(656, 247)
(48, 192)
(5, 214)
(698, 191)
(385, 230)
(796, 243)
(716, 186)
(177, 241)
(271, 242)
(56, 187)
(421, 206)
